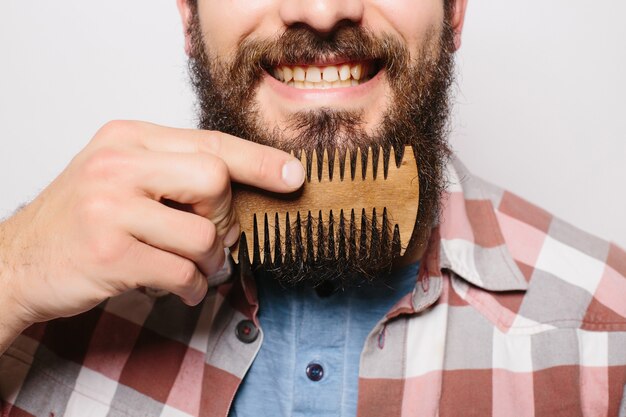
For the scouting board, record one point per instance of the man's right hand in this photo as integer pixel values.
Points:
(108, 224)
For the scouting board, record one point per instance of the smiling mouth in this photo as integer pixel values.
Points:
(347, 74)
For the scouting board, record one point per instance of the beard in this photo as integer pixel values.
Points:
(417, 116)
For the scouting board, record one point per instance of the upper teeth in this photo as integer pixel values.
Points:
(331, 76)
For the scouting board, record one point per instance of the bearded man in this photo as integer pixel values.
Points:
(496, 307)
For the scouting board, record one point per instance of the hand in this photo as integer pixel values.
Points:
(107, 223)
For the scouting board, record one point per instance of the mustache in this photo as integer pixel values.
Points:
(417, 113)
(299, 45)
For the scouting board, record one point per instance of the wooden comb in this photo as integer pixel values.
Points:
(367, 207)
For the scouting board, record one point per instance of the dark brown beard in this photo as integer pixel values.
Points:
(418, 116)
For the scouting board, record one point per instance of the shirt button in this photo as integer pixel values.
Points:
(246, 331)
(314, 371)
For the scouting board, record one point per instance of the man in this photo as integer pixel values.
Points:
(497, 308)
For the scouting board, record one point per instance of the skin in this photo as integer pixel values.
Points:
(100, 229)
(409, 20)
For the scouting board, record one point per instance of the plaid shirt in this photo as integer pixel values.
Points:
(514, 313)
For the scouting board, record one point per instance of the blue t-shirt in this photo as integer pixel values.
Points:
(308, 364)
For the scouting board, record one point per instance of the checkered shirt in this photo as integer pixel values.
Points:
(514, 313)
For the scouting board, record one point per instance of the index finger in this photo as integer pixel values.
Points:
(248, 162)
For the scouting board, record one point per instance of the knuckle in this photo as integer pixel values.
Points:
(106, 163)
(205, 234)
(215, 176)
(185, 275)
(94, 208)
(106, 250)
(263, 166)
(211, 142)
(116, 129)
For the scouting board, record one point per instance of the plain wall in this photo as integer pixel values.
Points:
(539, 104)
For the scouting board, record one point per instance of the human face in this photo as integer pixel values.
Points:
(225, 25)
(397, 94)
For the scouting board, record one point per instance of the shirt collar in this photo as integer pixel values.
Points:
(467, 241)
(471, 241)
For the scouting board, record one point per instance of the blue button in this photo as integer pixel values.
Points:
(314, 371)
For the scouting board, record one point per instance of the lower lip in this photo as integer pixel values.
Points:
(327, 94)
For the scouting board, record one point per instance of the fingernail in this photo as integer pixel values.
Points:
(232, 236)
(293, 173)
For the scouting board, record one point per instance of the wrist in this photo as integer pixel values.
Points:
(12, 323)
(13, 319)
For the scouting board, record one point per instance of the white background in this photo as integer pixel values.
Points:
(540, 102)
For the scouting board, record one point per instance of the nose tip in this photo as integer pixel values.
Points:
(323, 16)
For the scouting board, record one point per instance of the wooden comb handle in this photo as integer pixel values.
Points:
(366, 190)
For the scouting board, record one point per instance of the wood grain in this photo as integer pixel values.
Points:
(398, 193)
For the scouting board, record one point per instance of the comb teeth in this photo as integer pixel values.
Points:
(324, 240)
(353, 206)
(363, 162)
